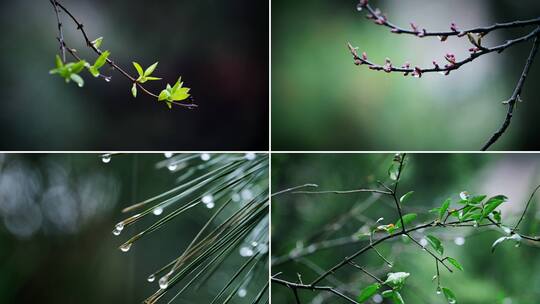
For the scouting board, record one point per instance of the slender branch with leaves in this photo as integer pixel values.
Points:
(70, 71)
(477, 50)
(236, 187)
(473, 211)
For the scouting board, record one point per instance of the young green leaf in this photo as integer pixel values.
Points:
(493, 203)
(397, 298)
(97, 43)
(59, 63)
(150, 69)
(449, 295)
(152, 78)
(435, 243)
(100, 61)
(455, 263)
(387, 293)
(407, 219)
(164, 95)
(444, 208)
(368, 292)
(406, 196)
(393, 171)
(77, 67)
(139, 69)
(134, 90)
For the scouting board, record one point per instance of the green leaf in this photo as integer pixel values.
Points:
(76, 68)
(455, 263)
(435, 243)
(178, 84)
(406, 196)
(515, 237)
(134, 90)
(164, 95)
(444, 208)
(93, 71)
(387, 293)
(397, 298)
(77, 79)
(97, 43)
(407, 219)
(100, 61)
(493, 203)
(59, 63)
(449, 295)
(477, 199)
(397, 279)
(180, 94)
(368, 292)
(138, 68)
(152, 78)
(150, 69)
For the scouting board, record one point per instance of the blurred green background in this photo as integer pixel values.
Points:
(219, 48)
(57, 213)
(322, 101)
(509, 276)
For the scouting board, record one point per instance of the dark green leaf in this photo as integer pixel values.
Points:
(407, 219)
(397, 298)
(368, 292)
(444, 208)
(387, 293)
(435, 243)
(393, 171)
(493, 203)
(449, 295)
(455, 263)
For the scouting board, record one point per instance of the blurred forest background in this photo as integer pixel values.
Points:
(57, 216)
(220, 48)
(508, 276)
(322, 101)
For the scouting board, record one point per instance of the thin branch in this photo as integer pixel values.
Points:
(295, 286)
(294, 188)
(60, 31)
(57, 6)
(382, 20)
(343, 191)
(515, 96)
(526, 207)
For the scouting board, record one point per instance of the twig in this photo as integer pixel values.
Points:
(515, 96)
(526, 207)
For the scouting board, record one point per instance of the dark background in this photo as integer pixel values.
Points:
(322, 101)
(508, 276)
(220, 48)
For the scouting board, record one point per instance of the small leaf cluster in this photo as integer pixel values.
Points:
(395, 280)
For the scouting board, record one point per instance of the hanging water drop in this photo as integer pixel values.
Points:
(168, 154)
(423, 242)
(207, 199)
(359, 7)
(106, 158)
(107, 79)
(242, 292)
(116, 232)
(164, 282)
(475, 224)
(205, 157)
(390, 265)
(172, 167)
(377, 298)
(438, 291)
(246, 252)
(151, 278)
(125, 247)
(158, 211)
(254, 244)
(120, 226)
(210, 205)
(464, 195)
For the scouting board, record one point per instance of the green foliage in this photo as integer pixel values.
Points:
(407, 219)
(175, 93)
(145, 76)
(100, 61)
(444, 208)
(449, 295)
(435, 243)
(69, 71)
(455, 263)
(394, 296)
(397, 279)
(97, 43)
(406, 196)
(368, 292)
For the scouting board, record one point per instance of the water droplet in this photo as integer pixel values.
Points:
(172, 167)
(254, 244)
(106, 158)
(116, 232)
(168, 154)
(438, 291)
(207, 199)
(459, 241)
(452, 301)
(464, 195)
(246, 252)
(390, 265)
(423, 242)
(475, 224)
(516, 245)
(125, 247)
(158, 211)
(415, 75)
(250, 156)
(377, 298)
(164, 282)
(359, 7)
(107, 79)
(442, 73)
(205, 156)
(151, 278)
(242, 292)
(210, 205)
(120, 226)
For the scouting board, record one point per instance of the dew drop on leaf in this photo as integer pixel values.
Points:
(242, 292)
(246, 252)
(210, 205)
(164, 282)
(459, 241)
(205, 157)
(106, 158)
(158, 211)
(125, 247)
(117, 232)
(250, 156)
(151, 278)
(172, 167)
